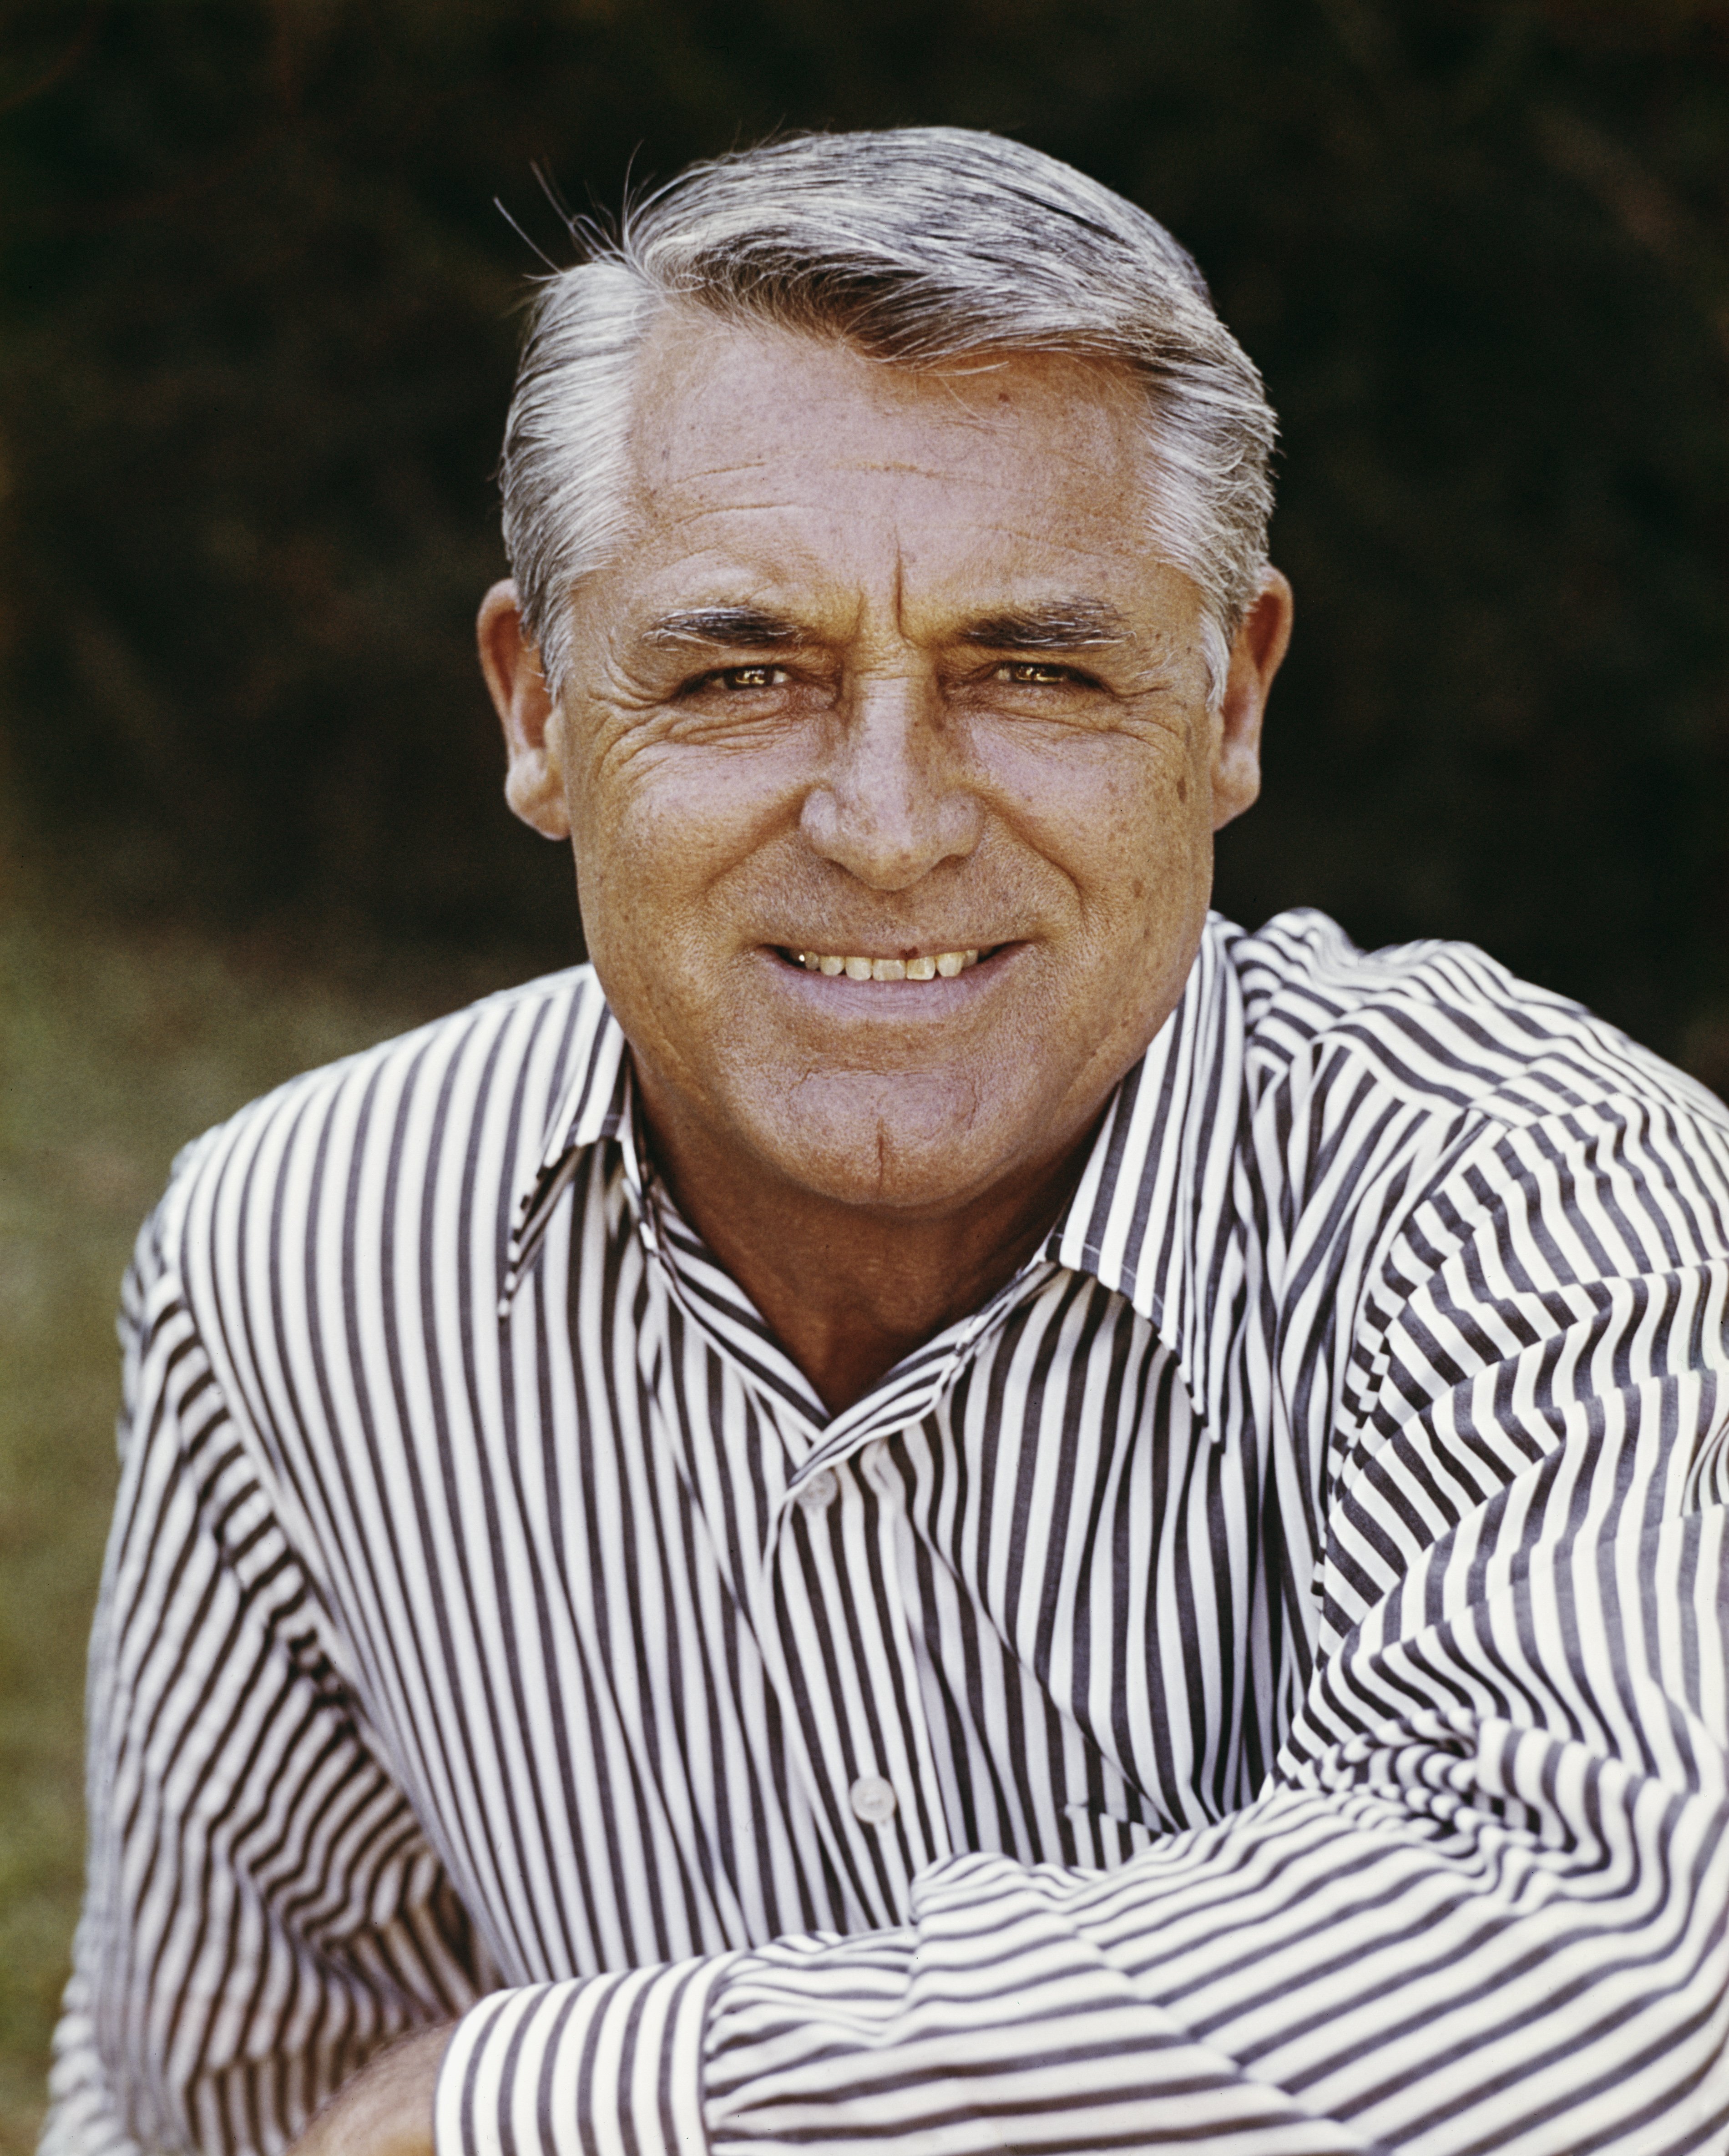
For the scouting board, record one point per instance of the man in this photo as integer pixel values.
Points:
(950, 1507)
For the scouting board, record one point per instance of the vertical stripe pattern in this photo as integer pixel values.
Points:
(1258, 1683)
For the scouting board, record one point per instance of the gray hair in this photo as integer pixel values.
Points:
(923, 246)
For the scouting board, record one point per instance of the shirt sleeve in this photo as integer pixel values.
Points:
(1482, 1903)
(262, 1911)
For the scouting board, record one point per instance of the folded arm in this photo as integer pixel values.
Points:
(1483, 1902)
(1487, 1906)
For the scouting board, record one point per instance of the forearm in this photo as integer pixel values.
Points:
(1469, 1924)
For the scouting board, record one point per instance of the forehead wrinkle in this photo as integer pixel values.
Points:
(925, 462)
(830, 548)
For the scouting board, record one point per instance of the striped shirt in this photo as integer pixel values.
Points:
(1260, 1683)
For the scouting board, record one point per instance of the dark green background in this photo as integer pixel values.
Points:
(256, 336)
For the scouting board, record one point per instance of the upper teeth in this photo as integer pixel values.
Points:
(947, 963)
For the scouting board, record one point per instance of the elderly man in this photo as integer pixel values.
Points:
(947, 1506)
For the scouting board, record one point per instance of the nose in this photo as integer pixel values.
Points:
(892, 803)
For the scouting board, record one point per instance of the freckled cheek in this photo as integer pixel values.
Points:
(655, 837)
(1121, 836)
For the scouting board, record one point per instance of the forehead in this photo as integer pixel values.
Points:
(786, 453)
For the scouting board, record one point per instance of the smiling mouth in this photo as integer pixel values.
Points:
(922, 966)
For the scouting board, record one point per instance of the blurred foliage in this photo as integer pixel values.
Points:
(257, 326)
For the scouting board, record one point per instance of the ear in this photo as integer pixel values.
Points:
(533, 725)
(1256, 656)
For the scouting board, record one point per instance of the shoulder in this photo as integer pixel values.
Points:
(469, 1093)
(1440, 1026)
(1465, 1110)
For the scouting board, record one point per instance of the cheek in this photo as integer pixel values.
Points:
(671, 848)
(1123, 820)
(659, 829)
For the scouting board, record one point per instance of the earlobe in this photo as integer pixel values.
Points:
(532, 723)
(1256, 655)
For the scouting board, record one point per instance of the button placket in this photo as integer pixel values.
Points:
(806, 1590)
(801, 1590)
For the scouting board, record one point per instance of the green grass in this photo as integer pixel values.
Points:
(117, 1046)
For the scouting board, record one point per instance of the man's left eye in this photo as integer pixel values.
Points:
(752, 677)
(1032, 674)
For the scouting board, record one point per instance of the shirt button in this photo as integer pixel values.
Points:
(820, 1491)
(873, 1799)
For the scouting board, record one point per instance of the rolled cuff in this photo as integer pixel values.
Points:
(600, 2062)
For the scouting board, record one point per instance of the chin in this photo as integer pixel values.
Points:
(922, 1145)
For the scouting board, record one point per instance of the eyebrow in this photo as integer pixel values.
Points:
(1071, 624)
(1075, 625)
(748, 629)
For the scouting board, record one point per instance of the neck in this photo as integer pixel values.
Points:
(849, 1290)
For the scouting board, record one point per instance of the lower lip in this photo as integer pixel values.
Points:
(839, 996)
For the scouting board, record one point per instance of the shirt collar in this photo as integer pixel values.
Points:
(1154, 1217)
(1151, 1219)
(595, 1104)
